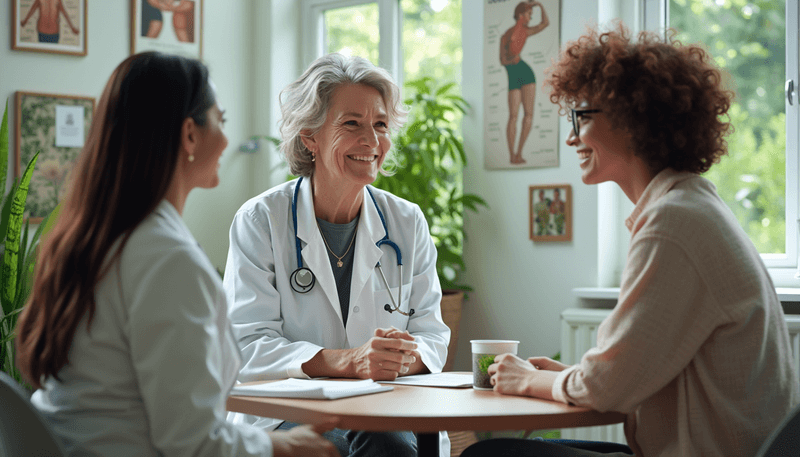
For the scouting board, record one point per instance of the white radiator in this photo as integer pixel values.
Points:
(579, 334)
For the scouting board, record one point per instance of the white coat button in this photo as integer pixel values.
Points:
(356, 309)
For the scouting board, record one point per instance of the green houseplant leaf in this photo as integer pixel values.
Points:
(19, 250)
(14, 237)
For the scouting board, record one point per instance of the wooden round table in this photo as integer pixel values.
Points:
(426, 411)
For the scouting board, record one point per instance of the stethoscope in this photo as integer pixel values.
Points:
(303, 279)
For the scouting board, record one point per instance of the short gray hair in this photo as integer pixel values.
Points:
(305, 104)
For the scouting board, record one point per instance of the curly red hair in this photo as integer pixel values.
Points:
(668, 96)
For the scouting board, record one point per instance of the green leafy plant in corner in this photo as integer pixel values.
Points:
(430, 155)
(19, 252)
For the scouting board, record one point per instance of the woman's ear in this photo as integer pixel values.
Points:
(189, 136)
(309, 141)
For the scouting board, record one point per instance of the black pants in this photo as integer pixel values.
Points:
(516, 447)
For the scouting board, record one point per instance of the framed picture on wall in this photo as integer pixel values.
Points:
(171, 26)
(550, 212)
(57, 127)
(57, 26)
(521, 38)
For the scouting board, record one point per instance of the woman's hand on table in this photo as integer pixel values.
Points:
(416, 367)
(388, 354)
(385, 356)
(303, 441)
(511, 375)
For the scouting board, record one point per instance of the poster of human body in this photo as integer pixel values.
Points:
(171, 26)
(56, 26)
(521, 39)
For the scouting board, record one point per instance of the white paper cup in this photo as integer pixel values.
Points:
(483, 352)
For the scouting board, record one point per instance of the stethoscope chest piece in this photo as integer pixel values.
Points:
(302, 280)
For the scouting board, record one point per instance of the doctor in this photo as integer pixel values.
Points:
(308, 298)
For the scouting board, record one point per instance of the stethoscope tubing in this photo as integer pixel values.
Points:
(310, 279)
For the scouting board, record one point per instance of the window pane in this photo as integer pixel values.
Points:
(353, 31)
(432, 39)
(748, 40)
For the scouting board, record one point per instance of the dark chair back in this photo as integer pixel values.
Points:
(23, 430)
(785, 439)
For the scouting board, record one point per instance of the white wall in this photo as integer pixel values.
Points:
(227, 49)
(521, 287)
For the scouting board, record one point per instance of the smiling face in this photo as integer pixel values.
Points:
(605, 153)
(352, 144)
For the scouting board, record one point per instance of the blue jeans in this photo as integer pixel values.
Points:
(368, 444)
(515, 447)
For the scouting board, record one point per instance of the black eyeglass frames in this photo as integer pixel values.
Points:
(575, 113)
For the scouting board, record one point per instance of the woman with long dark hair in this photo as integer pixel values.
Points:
(126, 334)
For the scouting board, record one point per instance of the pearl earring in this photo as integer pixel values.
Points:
(191, 157)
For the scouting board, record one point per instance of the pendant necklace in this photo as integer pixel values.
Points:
(339, 262)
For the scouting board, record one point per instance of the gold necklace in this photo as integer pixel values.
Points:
(339, 262)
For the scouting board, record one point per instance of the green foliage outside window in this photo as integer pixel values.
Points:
(432, 39)
(354, 31)
(747, 39)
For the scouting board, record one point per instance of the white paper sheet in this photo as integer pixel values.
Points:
(310, 388)
(446, 379)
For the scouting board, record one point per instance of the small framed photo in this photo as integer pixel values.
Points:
(56, 126)
(170, 26)
(56, 26)
(551, 212)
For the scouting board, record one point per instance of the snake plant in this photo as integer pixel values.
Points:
(19, 252)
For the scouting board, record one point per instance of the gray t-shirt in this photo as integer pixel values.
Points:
(338, 238)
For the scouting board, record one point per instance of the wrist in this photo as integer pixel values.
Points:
(333, 363)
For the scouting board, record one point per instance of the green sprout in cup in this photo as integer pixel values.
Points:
(484, 361)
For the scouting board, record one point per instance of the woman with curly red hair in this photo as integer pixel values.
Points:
(696, 351)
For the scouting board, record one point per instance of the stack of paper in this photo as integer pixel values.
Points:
(310, 388)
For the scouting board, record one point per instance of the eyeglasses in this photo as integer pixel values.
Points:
(576, 127)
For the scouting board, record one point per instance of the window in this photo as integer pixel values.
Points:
(352, 30)
(409, 38)
(755, 42)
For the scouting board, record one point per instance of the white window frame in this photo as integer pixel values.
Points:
(654, 15)
(389, 26)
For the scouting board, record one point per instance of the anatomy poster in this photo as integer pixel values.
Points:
(521, 40)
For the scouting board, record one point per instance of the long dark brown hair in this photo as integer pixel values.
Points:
(123, 172)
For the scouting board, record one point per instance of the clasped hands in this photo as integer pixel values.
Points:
(388, 354)
(533, 377)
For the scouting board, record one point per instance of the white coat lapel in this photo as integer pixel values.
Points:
(370, 231)
(315, 255)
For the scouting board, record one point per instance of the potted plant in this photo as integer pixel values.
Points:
(19, 252)
(430, 155)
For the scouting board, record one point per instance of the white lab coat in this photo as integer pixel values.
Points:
(152, 375)
(279, 329)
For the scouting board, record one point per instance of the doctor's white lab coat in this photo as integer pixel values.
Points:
(278, 329)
